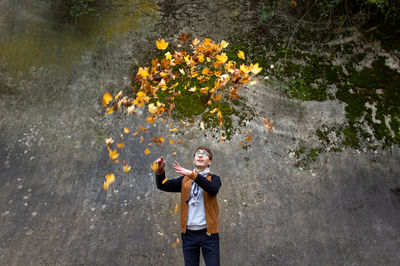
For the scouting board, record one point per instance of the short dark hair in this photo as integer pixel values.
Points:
(206, 149)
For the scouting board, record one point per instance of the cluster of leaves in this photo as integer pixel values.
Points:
(199, 68)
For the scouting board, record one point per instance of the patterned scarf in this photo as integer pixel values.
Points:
(195, 190)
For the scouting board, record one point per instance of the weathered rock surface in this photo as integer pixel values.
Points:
(53, 211)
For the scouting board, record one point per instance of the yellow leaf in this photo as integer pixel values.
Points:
(120, 145)
(154, 166)
(110, 178)
(146, 151)
(176, 208)
(105, 185)
(222, 139)
(113, 154)
(126, 130)
(143, 72)
(161, 45)
(222, 58)
(204, 90)
(171, 141)
(118, 95)
(152, 108)
(110, 110)
(255, 69)
(134, 134)
(214, 110)
(240, 54)
(224, 44)
(165, 180)
(244, 68)
(168, 56)
(107, 98)
(127, 168)
(174, 130)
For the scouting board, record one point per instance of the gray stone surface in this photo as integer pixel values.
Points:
(337, 211)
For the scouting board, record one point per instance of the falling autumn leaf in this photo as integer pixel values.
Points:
(127, 168)
(176, 208)
(165, 180)
(110, 178)
(134, 134)
(126, 130)
(171, 141)
(224, 44)
(107, 98)
(109, 141)
(248, 138)
(184, 37)
(176, 243)
(113, 154)
(154, 166)
(147, 151)
(240, 54)
(268, 125)
(161, 45)
(105, 185)
(120, 145)
(174, 130)
(118, 95)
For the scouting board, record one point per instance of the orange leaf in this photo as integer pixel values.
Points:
(107, 98)
(134, 134)
(176, 208)
(222, 139)
(165, 180)
(293, 4)
(176, 243)
(113, 154)
(248, 138)
(171, 141)
(146, 151)
(120, 145)
(110, 178)
(126, 130)
(105, 185)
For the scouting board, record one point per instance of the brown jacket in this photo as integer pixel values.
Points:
(210, 205)
(210, 186)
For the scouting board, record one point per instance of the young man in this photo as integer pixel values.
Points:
(198, 207)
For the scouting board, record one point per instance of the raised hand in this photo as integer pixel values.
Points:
(180, 170)
(161, 163)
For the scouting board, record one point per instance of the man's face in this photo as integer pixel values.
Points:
(201, 159)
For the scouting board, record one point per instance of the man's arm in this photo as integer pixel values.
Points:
(211, 187)
(173, 185)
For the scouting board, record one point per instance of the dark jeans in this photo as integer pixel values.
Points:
(192, 241)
